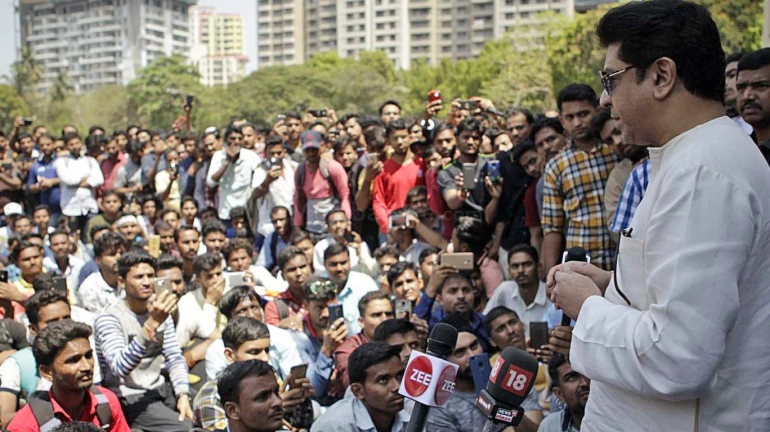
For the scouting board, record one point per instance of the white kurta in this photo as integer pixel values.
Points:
(691, 352)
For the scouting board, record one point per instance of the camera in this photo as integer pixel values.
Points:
(269, 163)
(317, 112)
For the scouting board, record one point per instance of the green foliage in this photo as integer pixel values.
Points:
(11, 105)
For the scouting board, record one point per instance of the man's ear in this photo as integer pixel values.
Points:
(232, 410)
(121, 281)
(358, 390)
(230, 355)
(33, 329)
(46, 372)
(557, 392)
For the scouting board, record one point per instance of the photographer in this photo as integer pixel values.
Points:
(167, 183)
(274, 184)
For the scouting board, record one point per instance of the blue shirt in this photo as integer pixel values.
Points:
(40, 170)
(437, 315)
(356, 287)
(88, 269)
(266, 258)
(633, 192)
(320, 368)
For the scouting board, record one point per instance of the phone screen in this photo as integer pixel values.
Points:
(469, 176)
(3, 276)
(162, 284)
(335, 313)
(480, 371)
(538, 334)
(403, 309)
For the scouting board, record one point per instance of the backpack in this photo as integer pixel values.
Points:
(299, 180)
(42, 409)
(273, 247)
(283, 308)
(27, 371)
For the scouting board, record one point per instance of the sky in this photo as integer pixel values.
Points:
(247, 8)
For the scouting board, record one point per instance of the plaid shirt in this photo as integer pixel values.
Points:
(633, 191)
(207, 409)
(573, 200)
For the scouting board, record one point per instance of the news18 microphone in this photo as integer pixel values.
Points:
(429, 379)
(575, 253)
(510, 381)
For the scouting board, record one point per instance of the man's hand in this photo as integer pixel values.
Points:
(84, 182)
(232, 152)
(294, 396)
(373, 169)
(433, 108)
(495, 190)
(9, 291)
(18, 122)
(274, 173)
(571, 291)
(493, 248)
(183, 407)
(441, 272)
(293, 322)
(160, 308)
(46, 183)
(35, 187)
(334, 337)
(462, 193)
(421, 326)
(561, 339)
(214, 292)
(601, 278)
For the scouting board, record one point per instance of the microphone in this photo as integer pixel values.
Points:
(575, 253)
(420, 383)
(510, 381)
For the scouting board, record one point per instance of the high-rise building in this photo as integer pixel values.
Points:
(217, 46)
(97, 43)
(292, 31)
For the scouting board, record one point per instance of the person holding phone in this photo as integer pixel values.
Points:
(232, 173)
(340, 232)
(198, 309)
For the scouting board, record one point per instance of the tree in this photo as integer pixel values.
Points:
(61, 88)
(26, 72)
(159, 90)
(11, 105)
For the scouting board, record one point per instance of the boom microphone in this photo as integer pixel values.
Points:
(429, 379)
(575, 253)
(510, 381)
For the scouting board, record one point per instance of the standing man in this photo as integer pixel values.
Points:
(232, 171)
(573, 193)
(731, 93)
(43, 178)
(754, 97)
(294, 129)
(273, 185)
(518, 121)
(403, 171)
(389, 110)
(696, 260)
(79, 177)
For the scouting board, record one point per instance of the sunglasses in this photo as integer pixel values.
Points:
(606, 78)
(323, 288)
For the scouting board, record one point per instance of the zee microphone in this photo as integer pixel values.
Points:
(510, 381)
(575, 253)
(420, 377)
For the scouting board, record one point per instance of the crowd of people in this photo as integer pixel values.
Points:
(264, 278)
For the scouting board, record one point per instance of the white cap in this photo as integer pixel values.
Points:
(13, 209)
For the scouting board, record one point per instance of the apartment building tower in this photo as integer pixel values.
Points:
(217, 46)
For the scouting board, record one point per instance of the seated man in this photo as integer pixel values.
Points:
(319, 338)
(351, 285)
(405, 282)
(399, 333)
(101, 289)
(289, 308)
(61, 262)
(386, 256)
(573, 389)
(64, 357)
(277, 240)
(454, 293)
(198, 313)
(405, 235)
(250, 396)
(374, 308)
(460, 414)
(188, 242)
(243, 301)
(136, 341)
(525, 293)
(375, 372)
(338, 226)
(214, 236)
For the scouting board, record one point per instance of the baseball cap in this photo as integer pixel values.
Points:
(12, 209)
(310, 139)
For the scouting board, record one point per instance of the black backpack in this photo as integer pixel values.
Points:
(42, 409)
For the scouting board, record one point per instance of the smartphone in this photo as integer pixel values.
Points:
(7, 166)
(335, 313)
(28, 121)
(469, 176)
(493, 170)
(458, 260)
(281, 117)
(60, 283)
(372, 158)
(4, 276)
(153, 243)
(297, 372)
(235, 279)
(318, 112)
(469, 105)
(188, 101)
(480, 371)
(434, 95)
(396, 221)
(403, 309)
(348, 236)
(538, 334)
(162, 284)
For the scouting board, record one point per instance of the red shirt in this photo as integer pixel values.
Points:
(391, 186)
(272, 316)
(110, 170)
(341, 355)
(437, 203)
(24, 420)
(531, 218)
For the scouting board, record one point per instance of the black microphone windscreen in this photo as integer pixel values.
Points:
(442, 340)
(576, 253)
(513, 376)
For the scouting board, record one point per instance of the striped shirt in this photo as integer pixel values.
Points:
(633, 191)
(573, 200)
(131, 364)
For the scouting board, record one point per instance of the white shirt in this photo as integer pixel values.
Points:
(75, 200)
(195, 321)
(507, 294)
(94, 294)
(236, 184)
(412, 253)
(690, 352)
(283, 354)
(71, 273)
(368, 264)
(280, 193)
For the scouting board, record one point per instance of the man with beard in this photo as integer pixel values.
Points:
(294, 128)
(43, 179)
(352, 286)
(731, 93)
(64, 357)
(289, 308)
(188, 241)
(573, 211)
(339, 228)
(375, 371)
(548, 136)
(110, 164)
(753, 86)
(403, 171)
(573, 389)
(250, 396)
(460, 413)
(525, 294)
(352, 125)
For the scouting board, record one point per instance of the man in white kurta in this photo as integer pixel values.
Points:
(678, 341)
